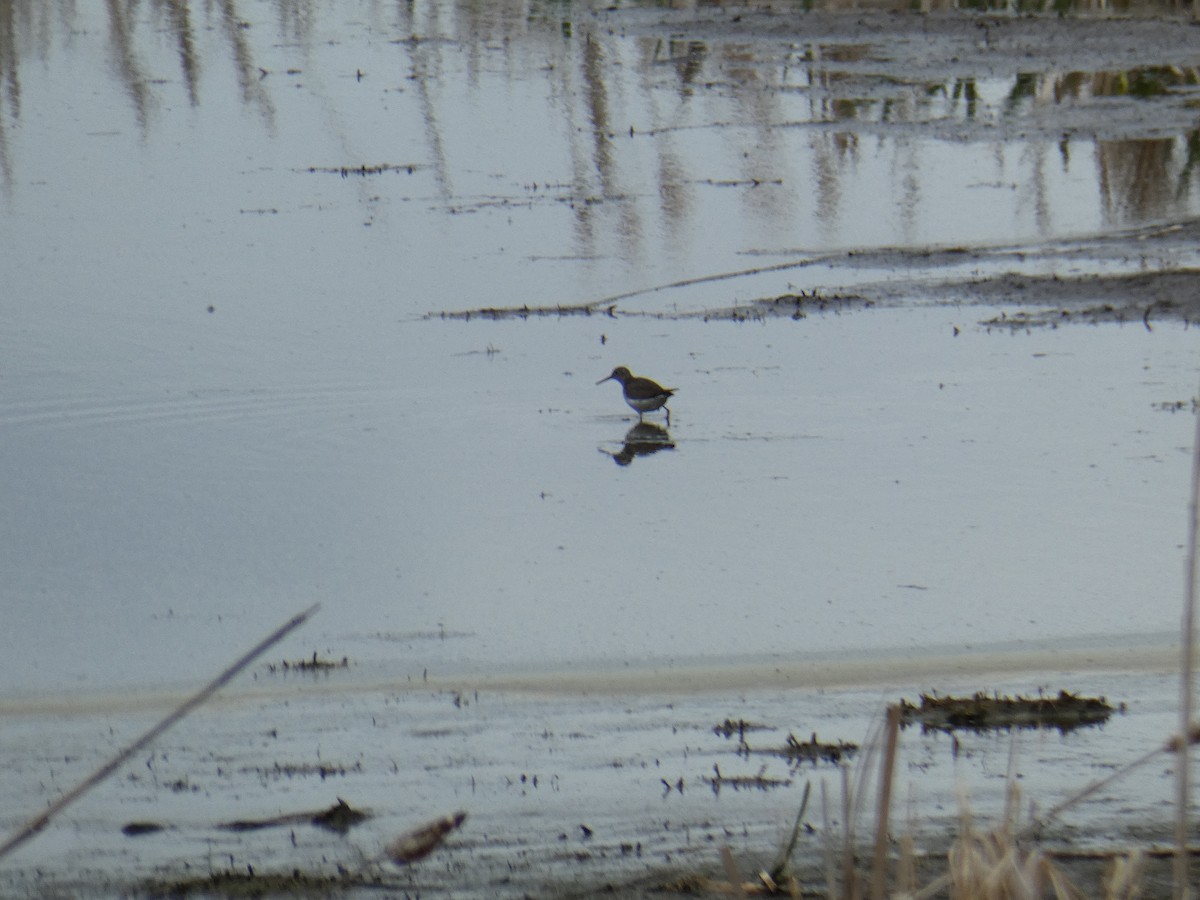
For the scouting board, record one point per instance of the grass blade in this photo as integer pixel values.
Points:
(35, 825)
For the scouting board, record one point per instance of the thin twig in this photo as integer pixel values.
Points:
(707, 279)
(779, 869)
(36, 824)
(1081, 795)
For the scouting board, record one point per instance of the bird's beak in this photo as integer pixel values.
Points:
(602, 380)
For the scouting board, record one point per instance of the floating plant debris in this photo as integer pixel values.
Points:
(730, 727)
(794, 306)
(528, 312)
(316, 664)
(137, 829)
(1177, 405)
(300, 770)
(981, 712)
(363, 169)
(415, 845)
(339, 818)
(759, 781)
(813, 750)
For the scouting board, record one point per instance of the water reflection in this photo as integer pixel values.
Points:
(764, 120)
(184, 187)
(10, 85)
(643, 439)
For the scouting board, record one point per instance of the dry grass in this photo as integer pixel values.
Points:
(1000, 862)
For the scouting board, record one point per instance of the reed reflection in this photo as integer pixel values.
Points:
(251, 78)
(121, 30)
(179, 24)
(1132, 181)
(10, 88)
(785, 120)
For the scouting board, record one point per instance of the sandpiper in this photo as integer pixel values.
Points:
(641, 394)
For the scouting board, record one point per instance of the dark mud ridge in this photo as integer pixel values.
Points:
(1144, 276)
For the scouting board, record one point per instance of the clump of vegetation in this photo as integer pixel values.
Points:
(814, 751)
(984, 712)
(794, 750)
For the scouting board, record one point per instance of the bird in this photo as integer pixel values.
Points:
(642, 394)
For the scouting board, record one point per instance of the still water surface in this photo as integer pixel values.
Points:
(223, 398)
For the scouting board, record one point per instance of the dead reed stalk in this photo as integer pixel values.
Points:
(887, 768)
(780, 869)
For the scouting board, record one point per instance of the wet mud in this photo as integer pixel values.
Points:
(1165, 289)
(589, 793)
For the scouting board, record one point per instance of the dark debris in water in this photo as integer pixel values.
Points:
(315, 664)
(1091, 315)
(1174, 406)
(339, 818)
(730, 727)
(249, 883)
(415, 845)
(792, 306)
(363, 169)
(499, 313)
(302, 770)
(759, 781)
(137, 829)
(794, 750)
(797, 752)
(986, 712)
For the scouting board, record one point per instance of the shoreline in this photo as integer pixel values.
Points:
(860, 669)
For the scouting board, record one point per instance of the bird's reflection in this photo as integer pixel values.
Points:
(642, 439)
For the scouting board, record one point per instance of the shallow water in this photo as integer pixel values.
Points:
(223, 401)
(227, 392)
(829, 496)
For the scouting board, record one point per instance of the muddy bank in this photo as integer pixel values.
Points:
(1151, 274)
(1139, 276)
(869, 48)
(589, 787)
